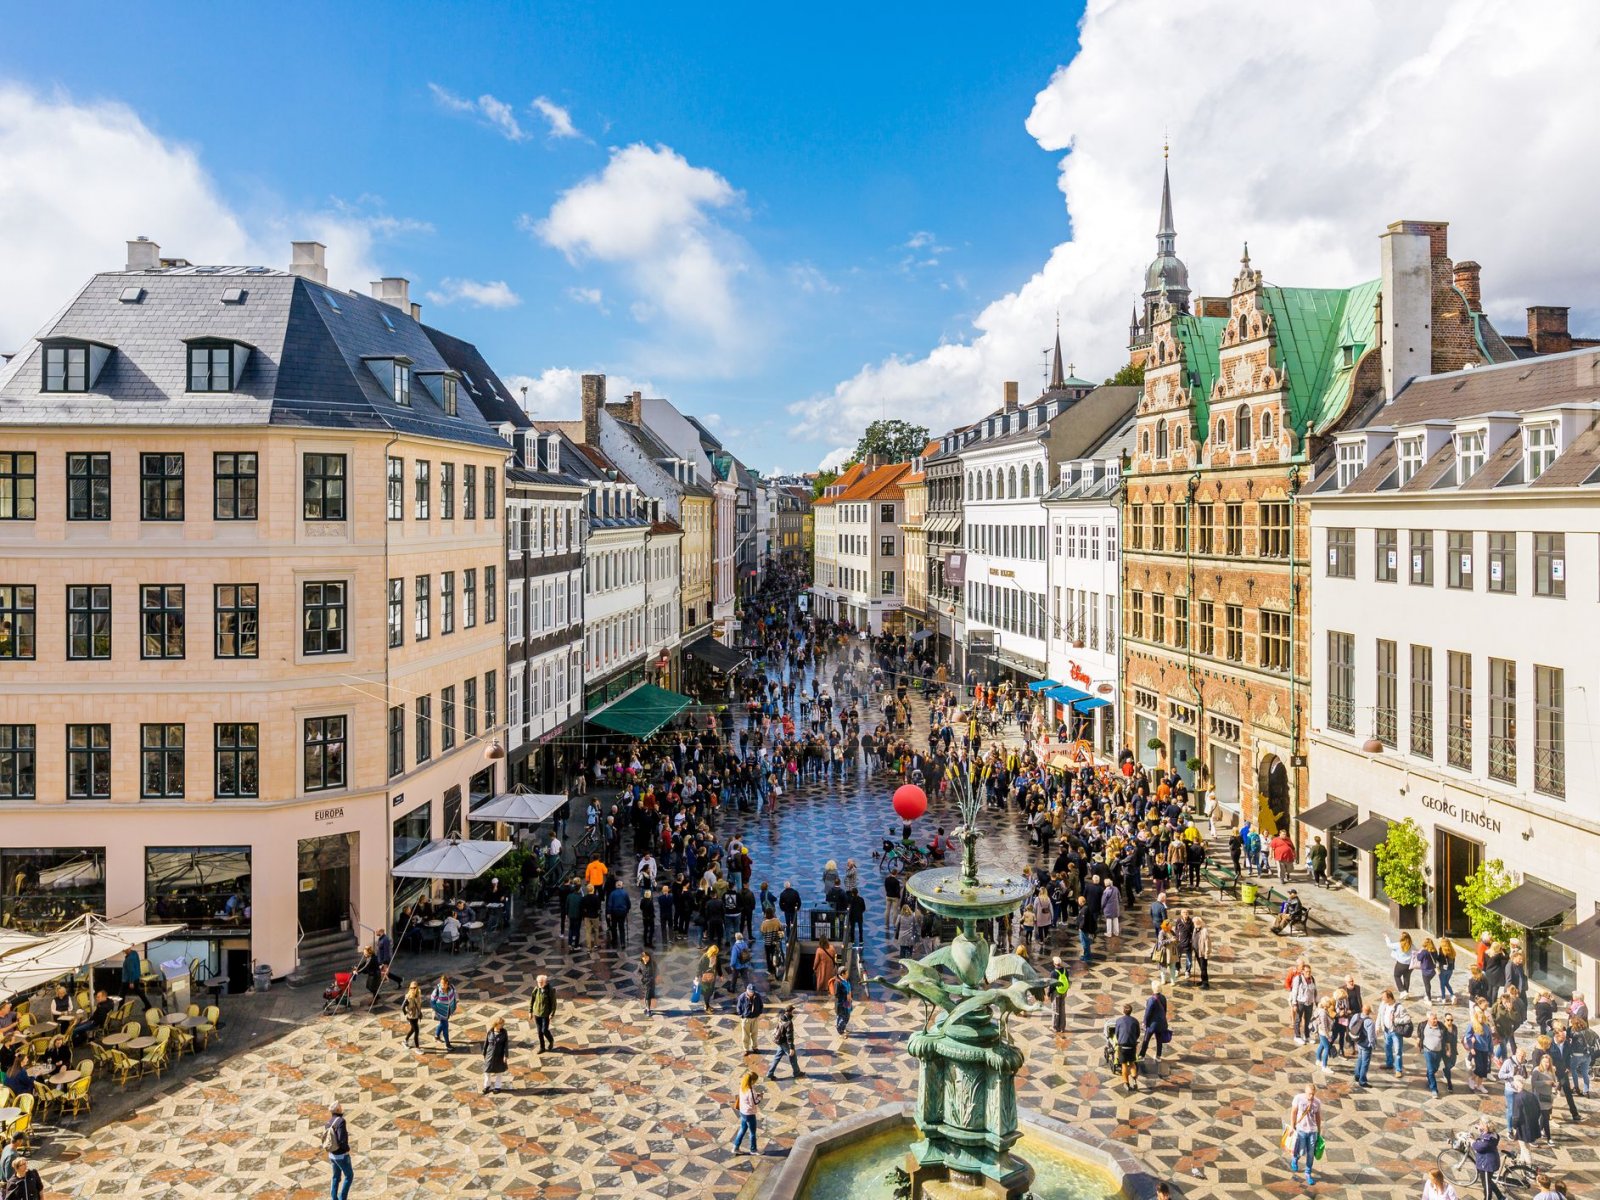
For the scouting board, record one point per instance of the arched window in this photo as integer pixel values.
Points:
(1242, 424)
(988, 485)
(1179, 434)
(1011, 483)
(1222, 431)
(1144, 441)
(1266, 427)
(1161, 438)
(1026, 482)
(1038, 479)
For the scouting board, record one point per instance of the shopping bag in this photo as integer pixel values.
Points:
(695, 995)
(1320, 1145)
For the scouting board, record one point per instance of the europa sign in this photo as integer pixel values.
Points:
(1465, 815)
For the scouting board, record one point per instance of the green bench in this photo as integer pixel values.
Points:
(1224, 879)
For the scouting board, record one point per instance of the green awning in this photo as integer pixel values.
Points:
(641, 712)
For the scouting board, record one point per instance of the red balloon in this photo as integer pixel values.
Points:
(910, 801)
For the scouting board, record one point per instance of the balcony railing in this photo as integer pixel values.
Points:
(1387, 726)
(1550, 770)
(1422, 735)
(1502, 758)
(1341, 714)
(1458, 745)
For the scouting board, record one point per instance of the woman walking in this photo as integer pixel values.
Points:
(1479, 1043)
(647, 981)
(747, 1107)
(1447, 968)
(443, 1002)
(496, 1049)
(1323, 1023)
(1427, 962)
(1165, 954)
(709, 974)
(1202, 948)
(1402, 954)
(411, 1008)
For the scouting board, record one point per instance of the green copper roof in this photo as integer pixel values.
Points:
(1321, 333)
(1199, 337)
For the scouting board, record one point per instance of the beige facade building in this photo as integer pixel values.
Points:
(252, 646)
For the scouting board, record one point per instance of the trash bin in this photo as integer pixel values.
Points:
(1248, 893)
(263, 977)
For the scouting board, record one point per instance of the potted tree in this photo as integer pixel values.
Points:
(1489, 882)
(1400, 856)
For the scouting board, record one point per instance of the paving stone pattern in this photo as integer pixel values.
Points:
(632, 1106)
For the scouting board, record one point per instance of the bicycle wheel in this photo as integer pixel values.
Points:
(1458, 1167)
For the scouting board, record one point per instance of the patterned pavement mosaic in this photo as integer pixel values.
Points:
(632, 1106)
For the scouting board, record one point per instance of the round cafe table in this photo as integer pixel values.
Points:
(141, 1043)
(64, 1078)
(193, 1022)
(117, 1040)
(8, 1115)
(174, 1018)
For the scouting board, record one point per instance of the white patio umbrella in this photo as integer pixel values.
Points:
(15, 981)
(452, 859)
(88, 940)
(15, 939)
(519, 808)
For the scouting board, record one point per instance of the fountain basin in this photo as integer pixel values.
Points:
(995, 894)
(850, 1159)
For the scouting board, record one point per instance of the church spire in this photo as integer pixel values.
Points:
(1057, 378)
(1166, 236)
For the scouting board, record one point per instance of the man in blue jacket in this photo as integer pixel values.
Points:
(618, 905)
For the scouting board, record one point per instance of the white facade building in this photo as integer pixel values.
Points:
(1084, 576)
(1456, 551)
(1005, 538)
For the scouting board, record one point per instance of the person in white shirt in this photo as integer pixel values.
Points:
(646, 875)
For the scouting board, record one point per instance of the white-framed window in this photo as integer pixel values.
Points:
(1469, 455)
(1352, 460)
(514, 617)
(1410, 458)
(1541, 449)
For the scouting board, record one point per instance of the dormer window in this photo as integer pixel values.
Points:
(211, 367)
(443, 386)
(402, 383)
(450, 400)
(1469, 455)
(1410, 458)
(1541, 443)
(1352, 461)
(66, 368)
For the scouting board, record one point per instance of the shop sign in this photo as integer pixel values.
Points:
(328, 814)
(1466, 816)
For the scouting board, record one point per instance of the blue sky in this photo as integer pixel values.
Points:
(880, 185)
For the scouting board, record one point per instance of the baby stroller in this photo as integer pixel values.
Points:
(337, 995)
(1109, 1050)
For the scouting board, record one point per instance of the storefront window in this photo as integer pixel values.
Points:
(207, 888)
(45, 889)
(411, 833)
(1550, 964)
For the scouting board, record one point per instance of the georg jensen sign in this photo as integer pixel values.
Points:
(1465, 815)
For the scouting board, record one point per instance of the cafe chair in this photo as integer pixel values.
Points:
(123, 1067)
(77, 1096)
(47, 1097)
(152, 1018)
(18, 1130)
(205, 1032)
(154, 1060)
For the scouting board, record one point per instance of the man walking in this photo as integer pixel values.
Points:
(1126, 1034)
(749, 1006)
(1365, 1032)
(336, 1141)
(618, 905)
(1305, 1122)
(541, 1007)
(1059, 989)
(789, 905)
(786, 1045)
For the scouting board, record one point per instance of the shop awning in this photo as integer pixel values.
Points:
(1330, 814)
(1584, 937)
(452, 859)
(1530, 905)
(1092, 703)
(519, 808)
(945, 523)
(1063, 694)
(641, 712)
(1366, 836)
(1043, 685)
(714, 654)
(920, 636)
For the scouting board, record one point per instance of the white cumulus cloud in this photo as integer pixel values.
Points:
(493, 294)
(80, 178)
(653, 216)
(557, 118)
(588, 295)
(556, 393)
(835, 458)
(1303, 130)
(493, 112)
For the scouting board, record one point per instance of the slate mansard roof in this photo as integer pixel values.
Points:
(308, 365)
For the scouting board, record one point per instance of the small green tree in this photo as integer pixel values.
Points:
(892, 440)
(1400, 857)
(1489, 882)
(1131, 375)
(821, 482)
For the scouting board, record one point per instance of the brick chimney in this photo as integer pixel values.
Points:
(1469, 284)
(143, 255)
(1011, 395)
(636, 408)
(306, 261)
(594, 399)
(1547, 329)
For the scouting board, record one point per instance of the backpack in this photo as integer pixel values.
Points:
(1403, 1024)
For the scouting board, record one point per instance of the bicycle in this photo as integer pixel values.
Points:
(1459, 1165)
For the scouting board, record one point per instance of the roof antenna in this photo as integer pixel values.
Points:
(524, 397)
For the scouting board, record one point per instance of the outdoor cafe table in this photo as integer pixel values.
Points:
(193, 1022)
(8, 1115)
(64, 1078)
(141, 1043)
(116, 1040)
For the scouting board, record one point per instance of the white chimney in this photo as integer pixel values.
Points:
(393, 290)
(143, 255)
(306, 261)
(1407, 282)
(416, 312)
